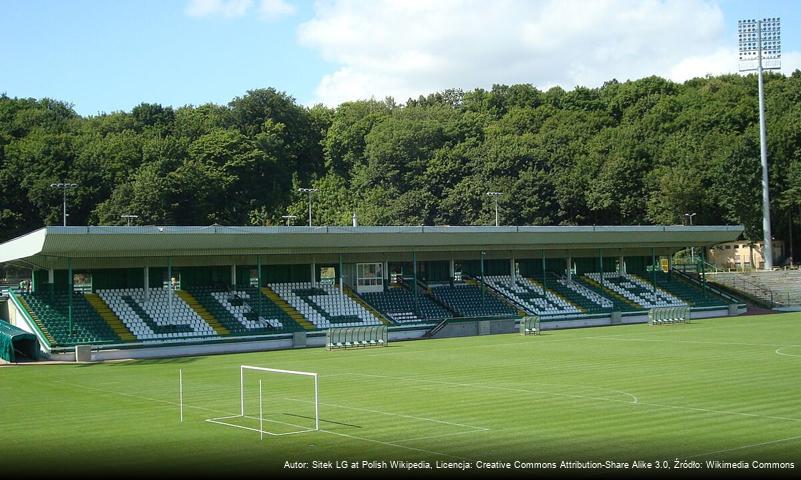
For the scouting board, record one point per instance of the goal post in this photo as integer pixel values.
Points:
(313, 375)
(287, 402)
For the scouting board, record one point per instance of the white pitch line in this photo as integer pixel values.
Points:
(601, 337)
(634, 398)
(429, 437)
(433, 420)
(393, 444)
(676, 407)
(778, 352)
(747, 446)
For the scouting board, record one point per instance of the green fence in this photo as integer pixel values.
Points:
(356, 337)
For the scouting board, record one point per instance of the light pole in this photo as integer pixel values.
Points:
(692, 248)
(129, 218)
(760, 49)
(288, 218)
(64, 187)
(495, 196)
(309, 191)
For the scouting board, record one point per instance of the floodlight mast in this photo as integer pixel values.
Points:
(692, 247)
(495, 196)
(64, 187)
(760, 49)
(309, 191)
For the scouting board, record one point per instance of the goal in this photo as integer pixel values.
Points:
(275, 402)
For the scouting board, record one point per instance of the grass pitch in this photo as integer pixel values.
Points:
(719, 389)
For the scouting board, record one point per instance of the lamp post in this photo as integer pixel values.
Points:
(64, 187)
(309, 191)
(129, 218)
(495, 196)
(289, 218)
(760, 49)
(692, 247)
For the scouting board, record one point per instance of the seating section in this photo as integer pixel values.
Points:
(398, 304)
(324, 305)
(691, 294)
(531, 296)
(590, 300)
(244, 311)
(469, 301)
(635, 289)
(52, 312)
(163, 317)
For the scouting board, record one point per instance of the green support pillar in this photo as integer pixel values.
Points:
(543, 270)
(601, 264)
(69, 293)
(653, 268)
(414, 285)
(702, 261)
(169, 283)
(258, 288)
(483, 283)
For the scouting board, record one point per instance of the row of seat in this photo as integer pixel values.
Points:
(595, 298)
(635, 289)
(470, 301)
(532, 297)
(52, 311)
(400, 305)
(324, 305)
(163, 316)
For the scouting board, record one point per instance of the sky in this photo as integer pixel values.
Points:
(110, 55)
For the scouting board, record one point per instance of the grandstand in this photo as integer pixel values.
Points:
(403, 307)
(128, 291)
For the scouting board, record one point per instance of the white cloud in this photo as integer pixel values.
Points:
(404, 48)
(271, 9)
(225, 8)
(266, 9)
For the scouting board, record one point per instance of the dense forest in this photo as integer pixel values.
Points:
(640, 152)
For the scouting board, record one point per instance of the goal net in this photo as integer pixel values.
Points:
(275, 402)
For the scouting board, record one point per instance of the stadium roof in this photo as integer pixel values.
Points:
(92, 242)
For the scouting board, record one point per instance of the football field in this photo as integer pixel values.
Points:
(720, 390)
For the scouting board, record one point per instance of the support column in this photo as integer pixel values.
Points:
(341, 273)
(621, 260)
(653, 268)
(51, 282)
(512, 272)
(233, 277)
(313, 274)
(258, 287)
(544, 287)
(483, 283)
(601, 264)
(146, 284)
(452, 268)
(703, 271)
(569, 269)
(69, 293)
(414, 285)
(169, 284)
